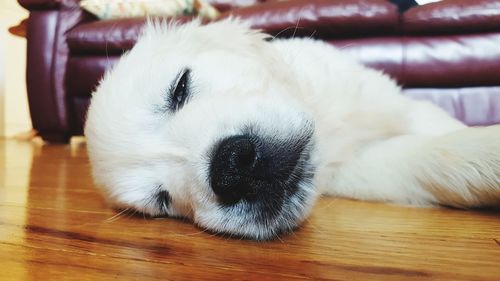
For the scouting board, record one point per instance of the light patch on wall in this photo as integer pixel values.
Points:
(14, 111)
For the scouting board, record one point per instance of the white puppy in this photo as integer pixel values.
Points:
(240, 135)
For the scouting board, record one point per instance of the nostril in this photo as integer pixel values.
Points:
(243, 154)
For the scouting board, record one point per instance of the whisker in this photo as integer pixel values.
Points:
(202, 231)
(118, 215)
(312, 34)
(284, 30)
(345, 46)
(296, 27)
(277, 236)
(131, 214)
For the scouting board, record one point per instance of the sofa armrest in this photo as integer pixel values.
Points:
(47, 56)
(48, 4)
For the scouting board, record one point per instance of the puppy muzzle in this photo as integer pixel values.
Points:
(256, 169)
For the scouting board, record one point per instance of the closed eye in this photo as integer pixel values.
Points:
(179, 91)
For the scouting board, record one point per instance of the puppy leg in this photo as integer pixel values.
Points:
(460, 169)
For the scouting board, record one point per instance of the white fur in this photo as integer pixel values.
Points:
(372, 143)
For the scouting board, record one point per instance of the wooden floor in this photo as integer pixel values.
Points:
(54, 225)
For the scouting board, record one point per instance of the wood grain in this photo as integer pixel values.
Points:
(55, 225)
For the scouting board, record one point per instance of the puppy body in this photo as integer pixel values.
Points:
(168, 128)
(379, 145)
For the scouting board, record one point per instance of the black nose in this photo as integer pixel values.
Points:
(233, 168)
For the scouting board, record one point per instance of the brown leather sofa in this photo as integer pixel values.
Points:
(447, 52)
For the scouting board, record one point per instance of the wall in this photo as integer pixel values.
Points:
(14, 112)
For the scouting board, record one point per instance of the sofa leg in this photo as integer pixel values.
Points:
(60, 138)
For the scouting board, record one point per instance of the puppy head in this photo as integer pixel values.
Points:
(201, 122)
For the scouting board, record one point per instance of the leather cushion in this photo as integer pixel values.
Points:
(431, 61)
(453, 16)
(113, 36)
(321, 18)
(477, 106)
(105, 36)
(225, 5)
(452, 61)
